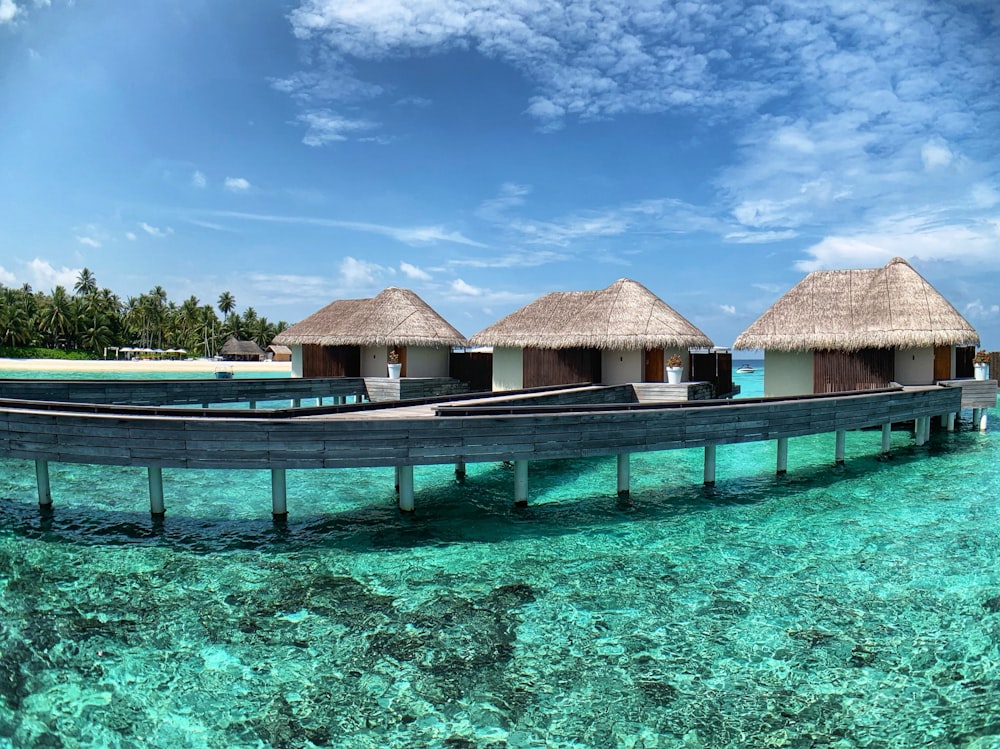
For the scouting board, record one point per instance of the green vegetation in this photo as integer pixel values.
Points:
(83, 324)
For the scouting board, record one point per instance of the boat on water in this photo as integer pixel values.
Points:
(746, 369)
(224, 373)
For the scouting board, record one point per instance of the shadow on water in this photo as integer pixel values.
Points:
(474, 511)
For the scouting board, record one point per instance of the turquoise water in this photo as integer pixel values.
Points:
(856, 606)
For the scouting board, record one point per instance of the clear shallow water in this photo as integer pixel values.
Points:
(841, 607)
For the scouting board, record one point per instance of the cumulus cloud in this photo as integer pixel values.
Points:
(324, 126)
(237, 184)
(412, 271)
(728, 309)
(8, 10)
(89, 241)
(130, 235)
(935, 154)
(976, 309)
(461, 287)
(198, 179)
(361, 273)
(43, 276)
(155, 231)
(6, 277)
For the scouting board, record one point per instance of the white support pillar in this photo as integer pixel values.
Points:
(886, 438)
(943, 420)
(624, 475)
(951, 421)
(520, 483)
(983, 414)
(279, 494)
(405, 488)
(460, 469)
(156, 508)
(927, 429)
(841, 447)
(710, 465)
(918, 431)
(42, 479)
(782, 456)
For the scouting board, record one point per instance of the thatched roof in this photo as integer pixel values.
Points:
(847, 310)
(395, 317)
(233, 347)
(623, 317)
(276, 349)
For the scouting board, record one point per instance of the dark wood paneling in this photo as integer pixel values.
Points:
(963, 361)
(866, 369)
(331, 361)
(715, 367)
(942, 362)
(654, 366)
(473, 368)
(566, 366)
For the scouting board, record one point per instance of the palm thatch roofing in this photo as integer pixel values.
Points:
(233, 347)
(847, 310)
(394, 317)
(623, 317)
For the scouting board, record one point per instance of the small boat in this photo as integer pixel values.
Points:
(223, 373)
(746, 369)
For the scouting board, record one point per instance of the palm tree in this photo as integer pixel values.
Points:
(86, 283)
(227, 303)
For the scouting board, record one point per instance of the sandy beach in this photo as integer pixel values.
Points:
(144, 365)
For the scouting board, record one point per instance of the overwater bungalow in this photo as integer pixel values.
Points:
(354, 338)
(236, 350)
(841, 330)
(617, 335)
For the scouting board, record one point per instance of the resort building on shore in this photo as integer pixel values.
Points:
(620, 334)
(355, 338)
(237, 350)
(843, 330)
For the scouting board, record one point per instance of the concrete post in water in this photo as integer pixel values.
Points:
(918, 431)
(520, 483)
(624, 475)
(405, 488)
(156, 508)
(782, 456)
(710, 465)
(841, 447)
(983, 414)
(460, 469)
(951, 421)
(279, 494)
(886, 438)
(42, 479)
(975, 416)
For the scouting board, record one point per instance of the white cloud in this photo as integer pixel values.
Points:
(412, 271)
(44, 277)
(89, 241)
(935, 154)
(8, 10)
(154, 231)
(130, 235)
(7, 278)
(198, 179)
(461, 287)
(979, 311)
(759, 237)
(518, 259)
(325, 127)
(985, 196)
(360, 273)
(728, 309)
(237, 184)
(511, 196)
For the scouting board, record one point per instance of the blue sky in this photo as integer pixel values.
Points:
(483, 153)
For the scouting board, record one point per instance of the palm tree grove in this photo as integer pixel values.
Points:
(84, 323)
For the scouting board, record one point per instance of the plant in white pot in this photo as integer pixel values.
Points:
(981, 365)
(675, 369)
(394, 364)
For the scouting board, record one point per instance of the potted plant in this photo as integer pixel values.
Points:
(394, 364)
(675, 369)
(981, 364)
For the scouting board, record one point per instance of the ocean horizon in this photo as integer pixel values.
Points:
(837, 606)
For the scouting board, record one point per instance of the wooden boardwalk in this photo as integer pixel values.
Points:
(559, 423)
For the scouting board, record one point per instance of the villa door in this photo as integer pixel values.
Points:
(654, 366)
(942, 363)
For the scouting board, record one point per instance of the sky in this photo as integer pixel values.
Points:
(484, 153)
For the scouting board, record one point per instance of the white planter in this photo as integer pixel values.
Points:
(394, 370)
(674, 375)
(981, 371)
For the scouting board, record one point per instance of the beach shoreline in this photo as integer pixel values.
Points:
(142, 365)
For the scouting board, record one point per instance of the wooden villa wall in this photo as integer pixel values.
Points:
(715, 367)
(331, 361)
(866, 369)
(473, 368)
(963, 361)
(545, 367)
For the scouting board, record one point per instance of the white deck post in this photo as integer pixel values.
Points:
(405, 488)
(782, 456)
(918, 431)
(42, 479)
(886, 438)
(841, 447)
(520, 483)
(624, 475)
(951, 421)
(983, 414)
(156, 507)
(279, 494)
(710, 465)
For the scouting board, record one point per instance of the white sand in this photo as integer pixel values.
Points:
(145, 365)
